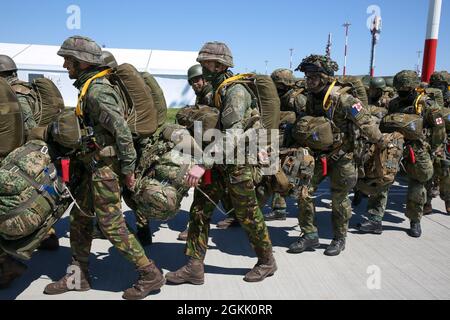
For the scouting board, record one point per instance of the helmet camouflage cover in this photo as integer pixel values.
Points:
(283, 76)
(318, 63)
(406, 80)
(216, 51)
(82, 49)
(439, 77)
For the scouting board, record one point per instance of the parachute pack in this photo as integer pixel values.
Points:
(382, 164)
(32, 198)
(410, 125)
(44, 97)
(158, 97)
(263, 90)
(298, 167)
(12, 132)
(140, 111)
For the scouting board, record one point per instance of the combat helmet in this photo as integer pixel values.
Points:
(440, 77)
(216, 51)
(109, 60)
(406, 80)
(194, 71)
(82, 49)
(318, 63)
(7, 64)
(283, 76)
(378, 83)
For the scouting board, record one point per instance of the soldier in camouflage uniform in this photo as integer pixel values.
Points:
(237, 108)
(25, 94)
(293, 102)
(203, 89)
(379, 94)
(410, 101)
(107, 160)
(440, 184)
(348, 114)
(27, 98)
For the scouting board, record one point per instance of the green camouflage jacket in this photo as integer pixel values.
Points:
(27, 99)
(103, 111)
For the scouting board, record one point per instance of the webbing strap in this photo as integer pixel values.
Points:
(326, 101)
(217, 98)
(79, 110)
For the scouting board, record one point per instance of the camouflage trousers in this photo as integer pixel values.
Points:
(242, 192)
(99, 196)
(343, 177)
(418, 175)
(441, 178)
(278, 202)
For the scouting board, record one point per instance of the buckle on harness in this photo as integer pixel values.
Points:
(44, 150)
(14, 169)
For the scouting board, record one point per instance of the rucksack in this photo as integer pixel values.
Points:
(158, 97)
(140, 112)
(315, 133)
(32, 198)
(355, 87)
(12, 131)
(49, 101)
(298, 166)
(410, 125)
(436, 95)
(66, 130)
(382, 164)
(208, 116)
(263, 90)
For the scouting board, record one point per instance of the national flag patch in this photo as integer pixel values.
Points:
(439, 121)
(356, 109)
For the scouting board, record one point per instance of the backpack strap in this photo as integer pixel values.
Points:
(327, 102)
(79, 110)
(227, 82)
(418, 103)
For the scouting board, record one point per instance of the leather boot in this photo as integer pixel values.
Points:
(193, 272)
(303, 244)
(50, 243)
(447, 207)
(228, 222)
(336, 247)
(144, 236)
(370, 226)
(68, 283)
(10, 269)
(150, 279)
(415, 231)
(276, 214)
(427, 209)
(264, 268)
(182, 236)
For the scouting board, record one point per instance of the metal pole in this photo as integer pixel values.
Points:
(329, 44)
(346, 25)
(431, 41)
(290, 58)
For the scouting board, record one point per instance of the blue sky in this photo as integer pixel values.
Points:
(256, 31)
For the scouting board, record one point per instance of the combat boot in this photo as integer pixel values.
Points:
(415, 231)
(427, 209)
(193, 272)
(336, 247)
(69, 283)
(303, 244)
(276, 214)
(264, 268)
(182, 236)
(144, 235)
(150, 279)
(228, 222)
(50, 243)
(447, 207)
(370, 226)
(10, 269)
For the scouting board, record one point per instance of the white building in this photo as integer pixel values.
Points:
(168, 67)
